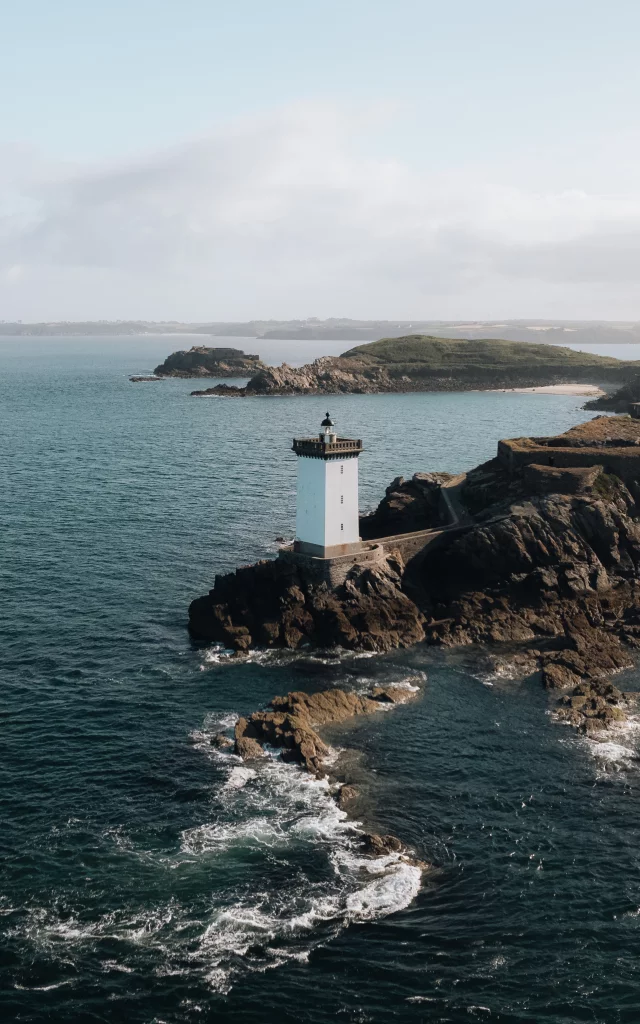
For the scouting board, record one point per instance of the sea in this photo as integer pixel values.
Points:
(147, 876)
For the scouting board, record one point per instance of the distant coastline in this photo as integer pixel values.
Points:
(549, 332)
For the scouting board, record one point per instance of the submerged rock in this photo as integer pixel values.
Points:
(346, 797)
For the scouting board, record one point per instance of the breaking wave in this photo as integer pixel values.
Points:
(289, 876)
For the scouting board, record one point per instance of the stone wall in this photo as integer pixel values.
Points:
(624, 462)
(333, 571)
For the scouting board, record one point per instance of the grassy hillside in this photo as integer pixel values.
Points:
(420, 353)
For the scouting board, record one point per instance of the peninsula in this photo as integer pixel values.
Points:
(537, 548)
(423, 363)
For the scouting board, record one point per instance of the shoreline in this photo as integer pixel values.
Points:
(579, 390)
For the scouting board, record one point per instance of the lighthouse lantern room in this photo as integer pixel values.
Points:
(327, 520)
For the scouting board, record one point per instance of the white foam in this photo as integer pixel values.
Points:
(220, 655)
(239, 776)
(43, 988)
(610, 751)
(285, 805)
(273, 810)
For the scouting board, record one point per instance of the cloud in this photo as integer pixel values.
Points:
(283, 215)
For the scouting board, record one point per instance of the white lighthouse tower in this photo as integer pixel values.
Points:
(327, 521)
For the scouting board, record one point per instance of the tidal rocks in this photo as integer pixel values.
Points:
(380, 846)
(200, 361)
(272, 604)
(221, 741)
(592, 706)
(290, 722)
(346, 796)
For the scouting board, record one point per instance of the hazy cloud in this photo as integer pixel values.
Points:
(284, 216)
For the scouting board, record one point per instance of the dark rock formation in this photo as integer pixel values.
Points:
(592, 706)
(290, 722)
(620, 400)
(408, 505)
(346, 797)
(201, 361)
(139, 380)
(531, 567)
(271, 604)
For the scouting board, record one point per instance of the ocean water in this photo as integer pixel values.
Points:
(147, 876)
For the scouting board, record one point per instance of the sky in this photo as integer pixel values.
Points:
(209, 160)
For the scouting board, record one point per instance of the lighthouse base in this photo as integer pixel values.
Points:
(332, 569)
(334, 551)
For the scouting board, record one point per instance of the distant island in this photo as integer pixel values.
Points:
(423, 363)
(200, 361)
(581, 332)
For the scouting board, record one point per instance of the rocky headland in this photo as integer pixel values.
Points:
(620, 400)
(546, 559)
(423, 363)
(200, 361)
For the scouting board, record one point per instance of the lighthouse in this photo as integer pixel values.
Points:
(327, 521)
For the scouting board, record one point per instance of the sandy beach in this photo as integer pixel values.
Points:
(589, 390)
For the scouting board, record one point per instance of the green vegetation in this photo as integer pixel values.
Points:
(609, 486)
(419, 353)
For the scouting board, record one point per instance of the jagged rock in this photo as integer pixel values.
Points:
(220, 740)
(408, 505)
(346, 796)
(375, 845)
(328, 375)
(246, 744)
(370, 611)
(291, 724)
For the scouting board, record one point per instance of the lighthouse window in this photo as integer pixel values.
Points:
(342, 499)
(341, 470)
(342, 526)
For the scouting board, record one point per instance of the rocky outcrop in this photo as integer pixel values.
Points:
(201, 361)
(327, 376)
(408, 505)
(592, 706)
(620, 400)
(548, 558)
(530, 567)
(290, 723)
(272, 604)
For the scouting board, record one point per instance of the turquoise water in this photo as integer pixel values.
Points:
(149, 877)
